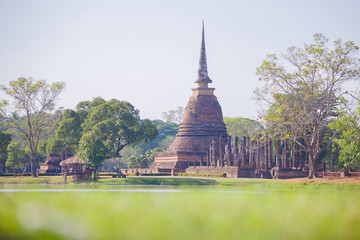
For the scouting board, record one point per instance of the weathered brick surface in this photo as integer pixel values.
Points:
(202, 122)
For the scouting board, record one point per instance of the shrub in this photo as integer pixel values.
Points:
(137, 173)
(198, 175)
(156, 174)
(223, 175)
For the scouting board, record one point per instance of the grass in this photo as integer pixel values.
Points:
(208, 212)
(32, 180)
(327, 183)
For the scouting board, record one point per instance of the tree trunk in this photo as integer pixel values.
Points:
(32, 166)
(277, 153)
(312, 167)
(95, 173)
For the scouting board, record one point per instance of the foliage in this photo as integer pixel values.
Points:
(243, 127)
(173, 115)
(302, 98)
(166, 134)
(16, 156)
(68, 133)
(143, 161)
(5, 140)
(31, 101)
(348, 126)
(109, 127)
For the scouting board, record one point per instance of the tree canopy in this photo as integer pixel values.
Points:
(241, 127)
(109, 127)
(31, 101)
(16, 156)
(301, 93)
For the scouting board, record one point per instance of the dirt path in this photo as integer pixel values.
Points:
(331, 180)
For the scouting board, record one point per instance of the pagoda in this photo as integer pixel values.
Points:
(201, 129)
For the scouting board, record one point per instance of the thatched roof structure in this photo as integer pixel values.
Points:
(74, 160)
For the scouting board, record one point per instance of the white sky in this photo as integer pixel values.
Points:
(147, 52)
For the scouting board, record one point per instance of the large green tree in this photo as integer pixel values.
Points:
(67, 134)
(16, 156)
(31, 101)
(303, 89)
(111, 126)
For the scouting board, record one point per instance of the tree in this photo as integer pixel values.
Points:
(31, 100)
(302, 98)
(93, 150)
(241, 127)
(166, 134)
(16, 156)
(174, 115)
(143, 161)
(5, 140)
(111, 126)
(67, 134)
(348, 139)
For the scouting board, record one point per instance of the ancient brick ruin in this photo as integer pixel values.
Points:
(202, 144)
(200, 129)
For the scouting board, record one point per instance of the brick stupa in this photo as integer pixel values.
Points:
(201, 127)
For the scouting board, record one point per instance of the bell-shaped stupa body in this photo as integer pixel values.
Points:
(201, 127)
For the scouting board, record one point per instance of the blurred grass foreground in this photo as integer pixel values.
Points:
(163, 212)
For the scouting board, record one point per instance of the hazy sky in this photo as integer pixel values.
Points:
(147, 52)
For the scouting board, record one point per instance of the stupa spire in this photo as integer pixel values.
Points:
(203, 78)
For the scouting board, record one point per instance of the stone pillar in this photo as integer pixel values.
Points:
(201, 160)
(266, 152)
(236, 152)
(243, 152)
(251, 153)
(254, 146)
(221, 152)
(256, 153)
(285, 153)
(213, 153)
(277, 154)
(208, 156)
(262, 156)
(228, 157)
(271, 164)
(248, 151)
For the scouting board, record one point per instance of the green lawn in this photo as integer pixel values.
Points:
(238, 209)
(194, 181)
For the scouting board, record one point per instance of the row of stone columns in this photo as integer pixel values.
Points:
(257, 153)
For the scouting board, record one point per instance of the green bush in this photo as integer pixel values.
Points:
(198, 175)
(223, 175)
(156, 174)
(137, 173)
(106, 173)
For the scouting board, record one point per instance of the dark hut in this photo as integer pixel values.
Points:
(75, 167)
